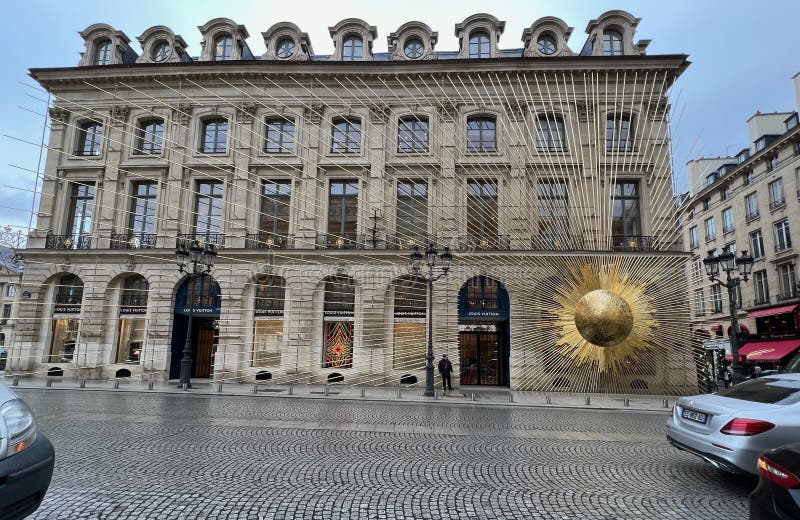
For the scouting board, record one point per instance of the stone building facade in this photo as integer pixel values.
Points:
(315, 176)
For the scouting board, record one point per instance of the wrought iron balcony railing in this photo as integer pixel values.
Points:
(75, 241)
(788, 295)
(752, 215)
(483, 242)
(632, 243)
(268, 241)
(217, 239)
(777, 203)
(402, 242)
(340, 241)
(133, 240)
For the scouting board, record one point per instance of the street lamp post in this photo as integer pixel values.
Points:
(201, 258)
(736, 270)
(416, 265)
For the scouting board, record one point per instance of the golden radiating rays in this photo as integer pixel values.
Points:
(604, 317)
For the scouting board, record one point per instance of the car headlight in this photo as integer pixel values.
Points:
(20, 426)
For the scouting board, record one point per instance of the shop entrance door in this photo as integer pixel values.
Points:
(484, 360)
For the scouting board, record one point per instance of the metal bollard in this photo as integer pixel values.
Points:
(473, 396)
(326, 389)
(219, 388)
(83, 383)
(363, 392)
(49, 383)
(116, 384)
(664, 403)
(399, 394)
(150, 385)
(547, 399)
(15, 382)
(588, 400)
(435, 395)
(626, 402)
(511, 397)
(255, 389)
(185, 387)
(291, 389)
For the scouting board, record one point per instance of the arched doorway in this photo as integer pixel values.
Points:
(483, 332)
(205, 305)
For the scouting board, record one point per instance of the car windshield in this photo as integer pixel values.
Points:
(794, 364)
(769, 390)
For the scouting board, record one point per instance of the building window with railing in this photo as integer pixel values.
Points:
(142, 218)
(270, 297)
(757, 244)
(761, 287)
(727, 220)
(626, 216)
(694, 237)
(79, 219)
(346, 136)
(699, 302)
(273, 225)
(279, 135)
(215, 135)
(747, 179)
(481, 134)
(787, 279)
(338, 317)
(706, 204)
(619, 133)
(550, 135)
(725, 192)
(772, 163)
(711, 232)
(716, 297)
(150, 137)
(90, 137)
(552, 201)
(412, 214)
(482, 214)
(783, 239)
(777, 198)
(208, 211)
(132, 324)
(342, 215)
(751, 206)
(412, 135)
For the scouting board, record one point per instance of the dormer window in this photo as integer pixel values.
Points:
(161, 51)
(353, 49)
(285, 48)
(223, 48)
(215, 136)
(102, 53)
(547, 44)
(90, 136)
(479, 45)
(612, 43)
(414, 49)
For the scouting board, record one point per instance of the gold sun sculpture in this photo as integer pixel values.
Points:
(604, 317)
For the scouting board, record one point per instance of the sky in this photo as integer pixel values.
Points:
(743, 56)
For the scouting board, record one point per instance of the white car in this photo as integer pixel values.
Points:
(732, 428)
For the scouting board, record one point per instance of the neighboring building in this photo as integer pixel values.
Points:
(316, 175)
(750, 202)
(10, 280)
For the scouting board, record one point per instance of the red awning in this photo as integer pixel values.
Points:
(716, 328)
(772, 312)
(769, 350)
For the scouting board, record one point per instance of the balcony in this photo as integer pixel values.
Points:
(777, 203)
(755, 215)
(133, 240)
(727, 229)
(401, 242)
(268, 241)
(340, 241)
(217, 239)
(76, 241)
(781, 248)
(788, 295)
(632, 243)
(483, 242)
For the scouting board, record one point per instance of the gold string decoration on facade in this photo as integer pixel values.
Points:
(604, 317)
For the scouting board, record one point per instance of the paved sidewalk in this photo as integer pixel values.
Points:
(474, 395)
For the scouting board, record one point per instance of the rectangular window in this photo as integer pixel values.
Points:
(761, 287)
(275, 206)
(772, 163)
(143, 212)
(756, 244)
(482, 214)
(783, 239)
(699, 302)
(481, 134)
(711, 232)
(777, 198)
(725, 192)
(550, 135)
(6, 311)
(81, 211)
(267, 342)
(150, 137)
(412, 213)
(694, 237)
(215, 136)
(748, 178)
(90, 136)
(11, 290)
(626, 215)
(751, 206)
(412, 135)
(698, 270)
(342, 214)
(553, 213)
(131, 340)
(716, 297)
(346, 137)
(208, 210)
(787, 280)
(279, 136)
(706, 204)
(727, 220)
(619, 133)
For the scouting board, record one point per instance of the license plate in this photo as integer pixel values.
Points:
(699, 417)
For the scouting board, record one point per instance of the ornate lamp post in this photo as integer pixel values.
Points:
(736, 270)
(416, 265)
(201, 258)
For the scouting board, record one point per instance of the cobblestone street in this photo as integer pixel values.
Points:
(132, 455)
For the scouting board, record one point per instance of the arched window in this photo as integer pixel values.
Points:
(285, 48)
(161, 51)
(410, 331)
(550, 134)
(547, 44)
(410, 297)
(481, 134)
(414, 48)
(612, 43)
(223, 48)
(279, 135)
(102, 52)
(215, 135)
(150, 137)
(352, 49)
(69, 290)
(134, 292)
(346, 136)
(68, 296)
(483, 293)
(90, 137)
(412, 135)
(479, 45)
(132, 325)
(269, 302)
(339, 307)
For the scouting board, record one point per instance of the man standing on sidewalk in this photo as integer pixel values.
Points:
(445, 369)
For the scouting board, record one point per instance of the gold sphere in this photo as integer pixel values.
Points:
(603, 318)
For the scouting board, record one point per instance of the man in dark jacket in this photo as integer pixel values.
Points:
(445, 369)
